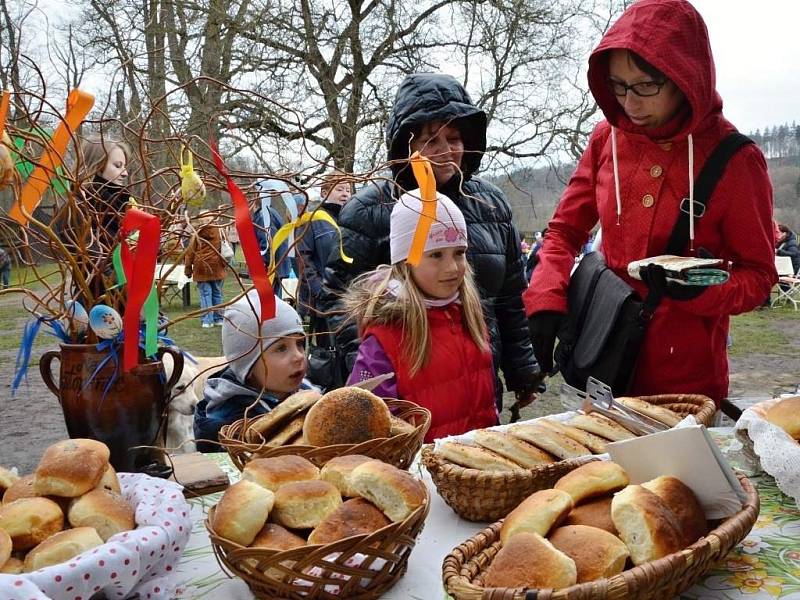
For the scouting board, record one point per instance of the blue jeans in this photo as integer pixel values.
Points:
(5, 273)
(210, 295)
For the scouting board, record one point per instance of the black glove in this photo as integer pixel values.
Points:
(543, 327)
(655, 278)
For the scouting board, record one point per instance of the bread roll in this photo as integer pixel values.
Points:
(5, 547)
(22, 488)
(558, 445)
(293, 405)
(396, 492)
(70, 468)
(538, 513)
(786, 415)
(282, 436)
(681, 500)
(354, 517)
(593, 442)
(597, 553)
(338, 469)
(13, 566)
(593, 479)
(242, 512)
(62, 547)
(513, 448)
(399, 426)
(528, 560)
(7, 479)
(646, 525)
(347, 415)
(274, 472)
(474, 457)
(600, 425)
(30, 521)
(106, 511)
(659, 413)
(303, 504)
(275, 537)
(95, 446)
(110, 481)
(595, 513)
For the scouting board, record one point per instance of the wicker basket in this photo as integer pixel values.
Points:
(322, 571)
(490, 495)
(398, 450)
(663, 578)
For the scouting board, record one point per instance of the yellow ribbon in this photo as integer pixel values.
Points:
(423, 173)
(283, 233)
(193, 190)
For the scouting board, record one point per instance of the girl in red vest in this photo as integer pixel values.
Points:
(424, 323)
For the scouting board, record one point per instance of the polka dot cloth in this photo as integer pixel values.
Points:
(140, 562)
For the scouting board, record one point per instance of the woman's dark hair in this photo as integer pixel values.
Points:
(645, 66)
(783, 228)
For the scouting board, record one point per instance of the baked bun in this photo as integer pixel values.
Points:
(13, 566)
(530, 561)
(473, 457)
(275, 537)
(22, 488)
(7, 479)
(596, 478)
(303, 504)
(681, 500)
(338, 469)
(659, 413)
(242, 512)
(396, 492)
(595, 513)
(5, 547)
(95, 446)
(62, 547)
(786, 415)
(347, 415)
(106, 511)
(354, 517)
(513, 448)
(70, 468)
(110, 481)
(646, 525)
(293, 405)
(597, 553)
(30, 521)
(399, 426)
(593, 442)
(538, 513)
(271, 473)
(288, 432)
(602, 426)
(558, 445)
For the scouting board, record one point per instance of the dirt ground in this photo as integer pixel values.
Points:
(32, 419)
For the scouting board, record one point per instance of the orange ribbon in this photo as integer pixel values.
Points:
(4, 110)
(78, 106)
(423, 173)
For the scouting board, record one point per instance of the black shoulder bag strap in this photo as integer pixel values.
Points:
(704, 186)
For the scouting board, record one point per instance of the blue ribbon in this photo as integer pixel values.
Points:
(29, 334)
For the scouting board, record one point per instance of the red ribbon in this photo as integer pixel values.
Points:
(247, 238)
(140, 268)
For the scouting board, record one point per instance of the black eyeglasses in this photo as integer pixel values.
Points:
(643, 88)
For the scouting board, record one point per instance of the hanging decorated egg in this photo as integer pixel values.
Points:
(105, 322)
(193, 190)
(77, 319)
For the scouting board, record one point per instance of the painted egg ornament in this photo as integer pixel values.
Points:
(105, 322)
(77, 319)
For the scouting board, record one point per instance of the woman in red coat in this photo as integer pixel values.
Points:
(653, 77)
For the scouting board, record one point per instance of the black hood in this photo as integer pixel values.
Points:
(425, 97)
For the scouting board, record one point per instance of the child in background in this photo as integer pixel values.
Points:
(265, 365)
(425, 324)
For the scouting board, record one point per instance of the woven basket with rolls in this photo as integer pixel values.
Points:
(490, 495)
(398, 450)
(663, 578)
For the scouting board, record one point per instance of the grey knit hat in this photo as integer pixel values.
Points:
(240, 332)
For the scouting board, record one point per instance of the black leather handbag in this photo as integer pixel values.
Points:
(326, 366)
(606, 318)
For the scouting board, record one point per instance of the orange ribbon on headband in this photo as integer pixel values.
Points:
(423, 173)
(78, 106)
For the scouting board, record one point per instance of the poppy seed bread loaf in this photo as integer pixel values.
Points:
(347, 415)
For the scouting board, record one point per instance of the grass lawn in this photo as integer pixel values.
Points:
(763, 332)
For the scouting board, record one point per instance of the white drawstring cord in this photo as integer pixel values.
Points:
(691, 192)
(616, 170)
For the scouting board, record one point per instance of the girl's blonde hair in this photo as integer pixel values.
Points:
(369, 302)
(95, 150)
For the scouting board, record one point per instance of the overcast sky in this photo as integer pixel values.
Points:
(756, 45)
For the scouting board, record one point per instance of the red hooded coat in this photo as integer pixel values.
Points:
(684, 349)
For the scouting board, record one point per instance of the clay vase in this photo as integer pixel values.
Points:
(131, 412)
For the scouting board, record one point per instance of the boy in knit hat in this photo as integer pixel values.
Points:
(265, 365)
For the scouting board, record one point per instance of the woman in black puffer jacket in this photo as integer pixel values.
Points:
(433, 113)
